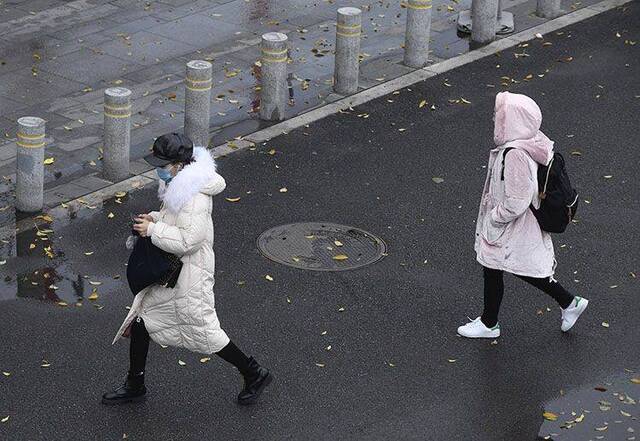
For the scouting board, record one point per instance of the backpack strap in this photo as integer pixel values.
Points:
(504, 154)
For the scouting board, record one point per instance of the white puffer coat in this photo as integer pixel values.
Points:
(185, 316)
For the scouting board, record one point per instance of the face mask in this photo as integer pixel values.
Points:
(165, 175)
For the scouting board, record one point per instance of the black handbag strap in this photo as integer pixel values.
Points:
(504, 154)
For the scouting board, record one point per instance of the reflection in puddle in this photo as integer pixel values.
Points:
(609, 411)
(33, 264)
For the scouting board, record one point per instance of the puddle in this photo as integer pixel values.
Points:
(34, 264)
(607, 411)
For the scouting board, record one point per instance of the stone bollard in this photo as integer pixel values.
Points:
(30, 164)
(197, 106)
(548, 9)
(484, 15)
(274, 76)
(117, 133)
(347, 67)
(416, 42)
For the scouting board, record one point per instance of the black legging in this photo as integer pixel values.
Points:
(139, 348)
(494, 290)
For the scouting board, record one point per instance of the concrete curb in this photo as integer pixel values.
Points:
(147, 178)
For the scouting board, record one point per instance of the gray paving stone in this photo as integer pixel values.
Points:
(174, 66)
(139, 166)
(244, 13)
(63, 193)
(8, 14)
(88, 66)
(170, 13)
(8, 105)
(145, 48)
(22, 86)
(38, 5)
(79, 31)
(176, 2)
(92, 182)
(197, 30)
(8, 151)
(133, 26)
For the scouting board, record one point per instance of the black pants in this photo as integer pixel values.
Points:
(494, 290)
(139, 348)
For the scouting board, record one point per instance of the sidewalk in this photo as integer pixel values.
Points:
(369, 354)
(56, 59)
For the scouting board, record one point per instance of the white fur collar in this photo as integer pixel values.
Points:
(189, 181)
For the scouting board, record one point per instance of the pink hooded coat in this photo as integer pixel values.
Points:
(508, 236)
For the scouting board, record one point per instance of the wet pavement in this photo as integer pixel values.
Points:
(56, 59)
(369, 353)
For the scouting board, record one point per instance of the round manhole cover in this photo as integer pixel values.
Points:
(321, 246)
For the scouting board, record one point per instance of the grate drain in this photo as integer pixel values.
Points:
(321, 246)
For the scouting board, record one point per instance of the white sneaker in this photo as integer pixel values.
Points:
(477, 329)
(572, 312)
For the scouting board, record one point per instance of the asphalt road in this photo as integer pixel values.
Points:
(388, 374)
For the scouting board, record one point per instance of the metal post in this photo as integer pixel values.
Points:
(416, 43)
(117, 133)
(30, 164)
(347, 67)
(274, 76)
(197, 105)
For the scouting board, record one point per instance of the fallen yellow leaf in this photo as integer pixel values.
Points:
(49, 161)
(269, 278)
(5, 419)
(204, 359)
(93, 296)
(340, 257)
(550, 416)
(182, 363)
(422, 104)
(635, 380)
(232, 199)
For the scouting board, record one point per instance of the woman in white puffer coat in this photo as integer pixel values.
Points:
(183, 316)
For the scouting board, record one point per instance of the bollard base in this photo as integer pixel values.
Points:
(506, 24)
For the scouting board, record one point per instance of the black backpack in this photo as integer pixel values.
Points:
(558, 199)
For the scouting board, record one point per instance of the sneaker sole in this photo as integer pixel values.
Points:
(585, 302)
(128, 400)
(267, 381)
(497, 335)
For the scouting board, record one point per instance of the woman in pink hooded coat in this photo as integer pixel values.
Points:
(508, 236)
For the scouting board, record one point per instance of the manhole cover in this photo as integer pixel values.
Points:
(321, 246)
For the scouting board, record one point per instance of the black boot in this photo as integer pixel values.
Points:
(256, 378)
(132, 390)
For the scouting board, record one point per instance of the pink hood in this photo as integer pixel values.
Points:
(517, 122)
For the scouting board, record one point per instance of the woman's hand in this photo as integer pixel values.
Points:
(142, 225)
(146, 217)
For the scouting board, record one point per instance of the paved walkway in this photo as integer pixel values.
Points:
(57, 57)
(369, 354)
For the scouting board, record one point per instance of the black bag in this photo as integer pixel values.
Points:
(149, 265)
(558, 199)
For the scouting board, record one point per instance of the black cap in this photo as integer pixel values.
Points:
(170, 148)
